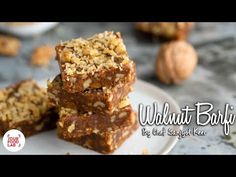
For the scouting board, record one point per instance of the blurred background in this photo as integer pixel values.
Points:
(27, 51)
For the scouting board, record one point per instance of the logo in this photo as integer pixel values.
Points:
(13, 140)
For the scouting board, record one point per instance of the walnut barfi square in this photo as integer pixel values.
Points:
(96, 62)
(25, 106)
(75, 123)
(102, 100)
(166, 30)
(104, 142)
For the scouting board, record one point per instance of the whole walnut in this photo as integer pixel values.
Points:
(175, 62)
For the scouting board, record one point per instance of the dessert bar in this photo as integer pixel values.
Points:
(104, 142)
(75, 124)
(166, 30)
(103, 100)
(25, 106)
(96, 62)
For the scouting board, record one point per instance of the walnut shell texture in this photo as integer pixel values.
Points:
(175, 62)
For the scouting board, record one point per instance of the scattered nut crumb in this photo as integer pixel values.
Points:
(42, 55)
(9, 46)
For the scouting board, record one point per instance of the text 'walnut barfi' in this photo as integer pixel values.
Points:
(25, 106)
(96, 62)
(102, 100)
(104, 142)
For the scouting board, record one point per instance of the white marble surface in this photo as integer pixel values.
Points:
(213, 80)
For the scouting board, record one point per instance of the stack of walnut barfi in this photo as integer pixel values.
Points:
(91, 92)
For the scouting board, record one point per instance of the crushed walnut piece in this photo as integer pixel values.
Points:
(42, 55)
(124, 102)
(63, 112)
(71, 128)
(9, 46)
(101, 51)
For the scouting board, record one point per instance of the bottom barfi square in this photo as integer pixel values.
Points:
(75, 123)
(103, 142)
(25, 107)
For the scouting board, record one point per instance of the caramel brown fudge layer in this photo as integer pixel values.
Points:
(102, 100)
(25, 106)
(167, 30)
(104, 142)
(9, 46)
(96, 62)
(75, 123)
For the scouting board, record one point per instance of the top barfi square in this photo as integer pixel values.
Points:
(96, 62)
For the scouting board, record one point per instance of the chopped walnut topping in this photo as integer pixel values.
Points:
(67, 111)
(24, 101)
(42, 55)
(101, 51)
